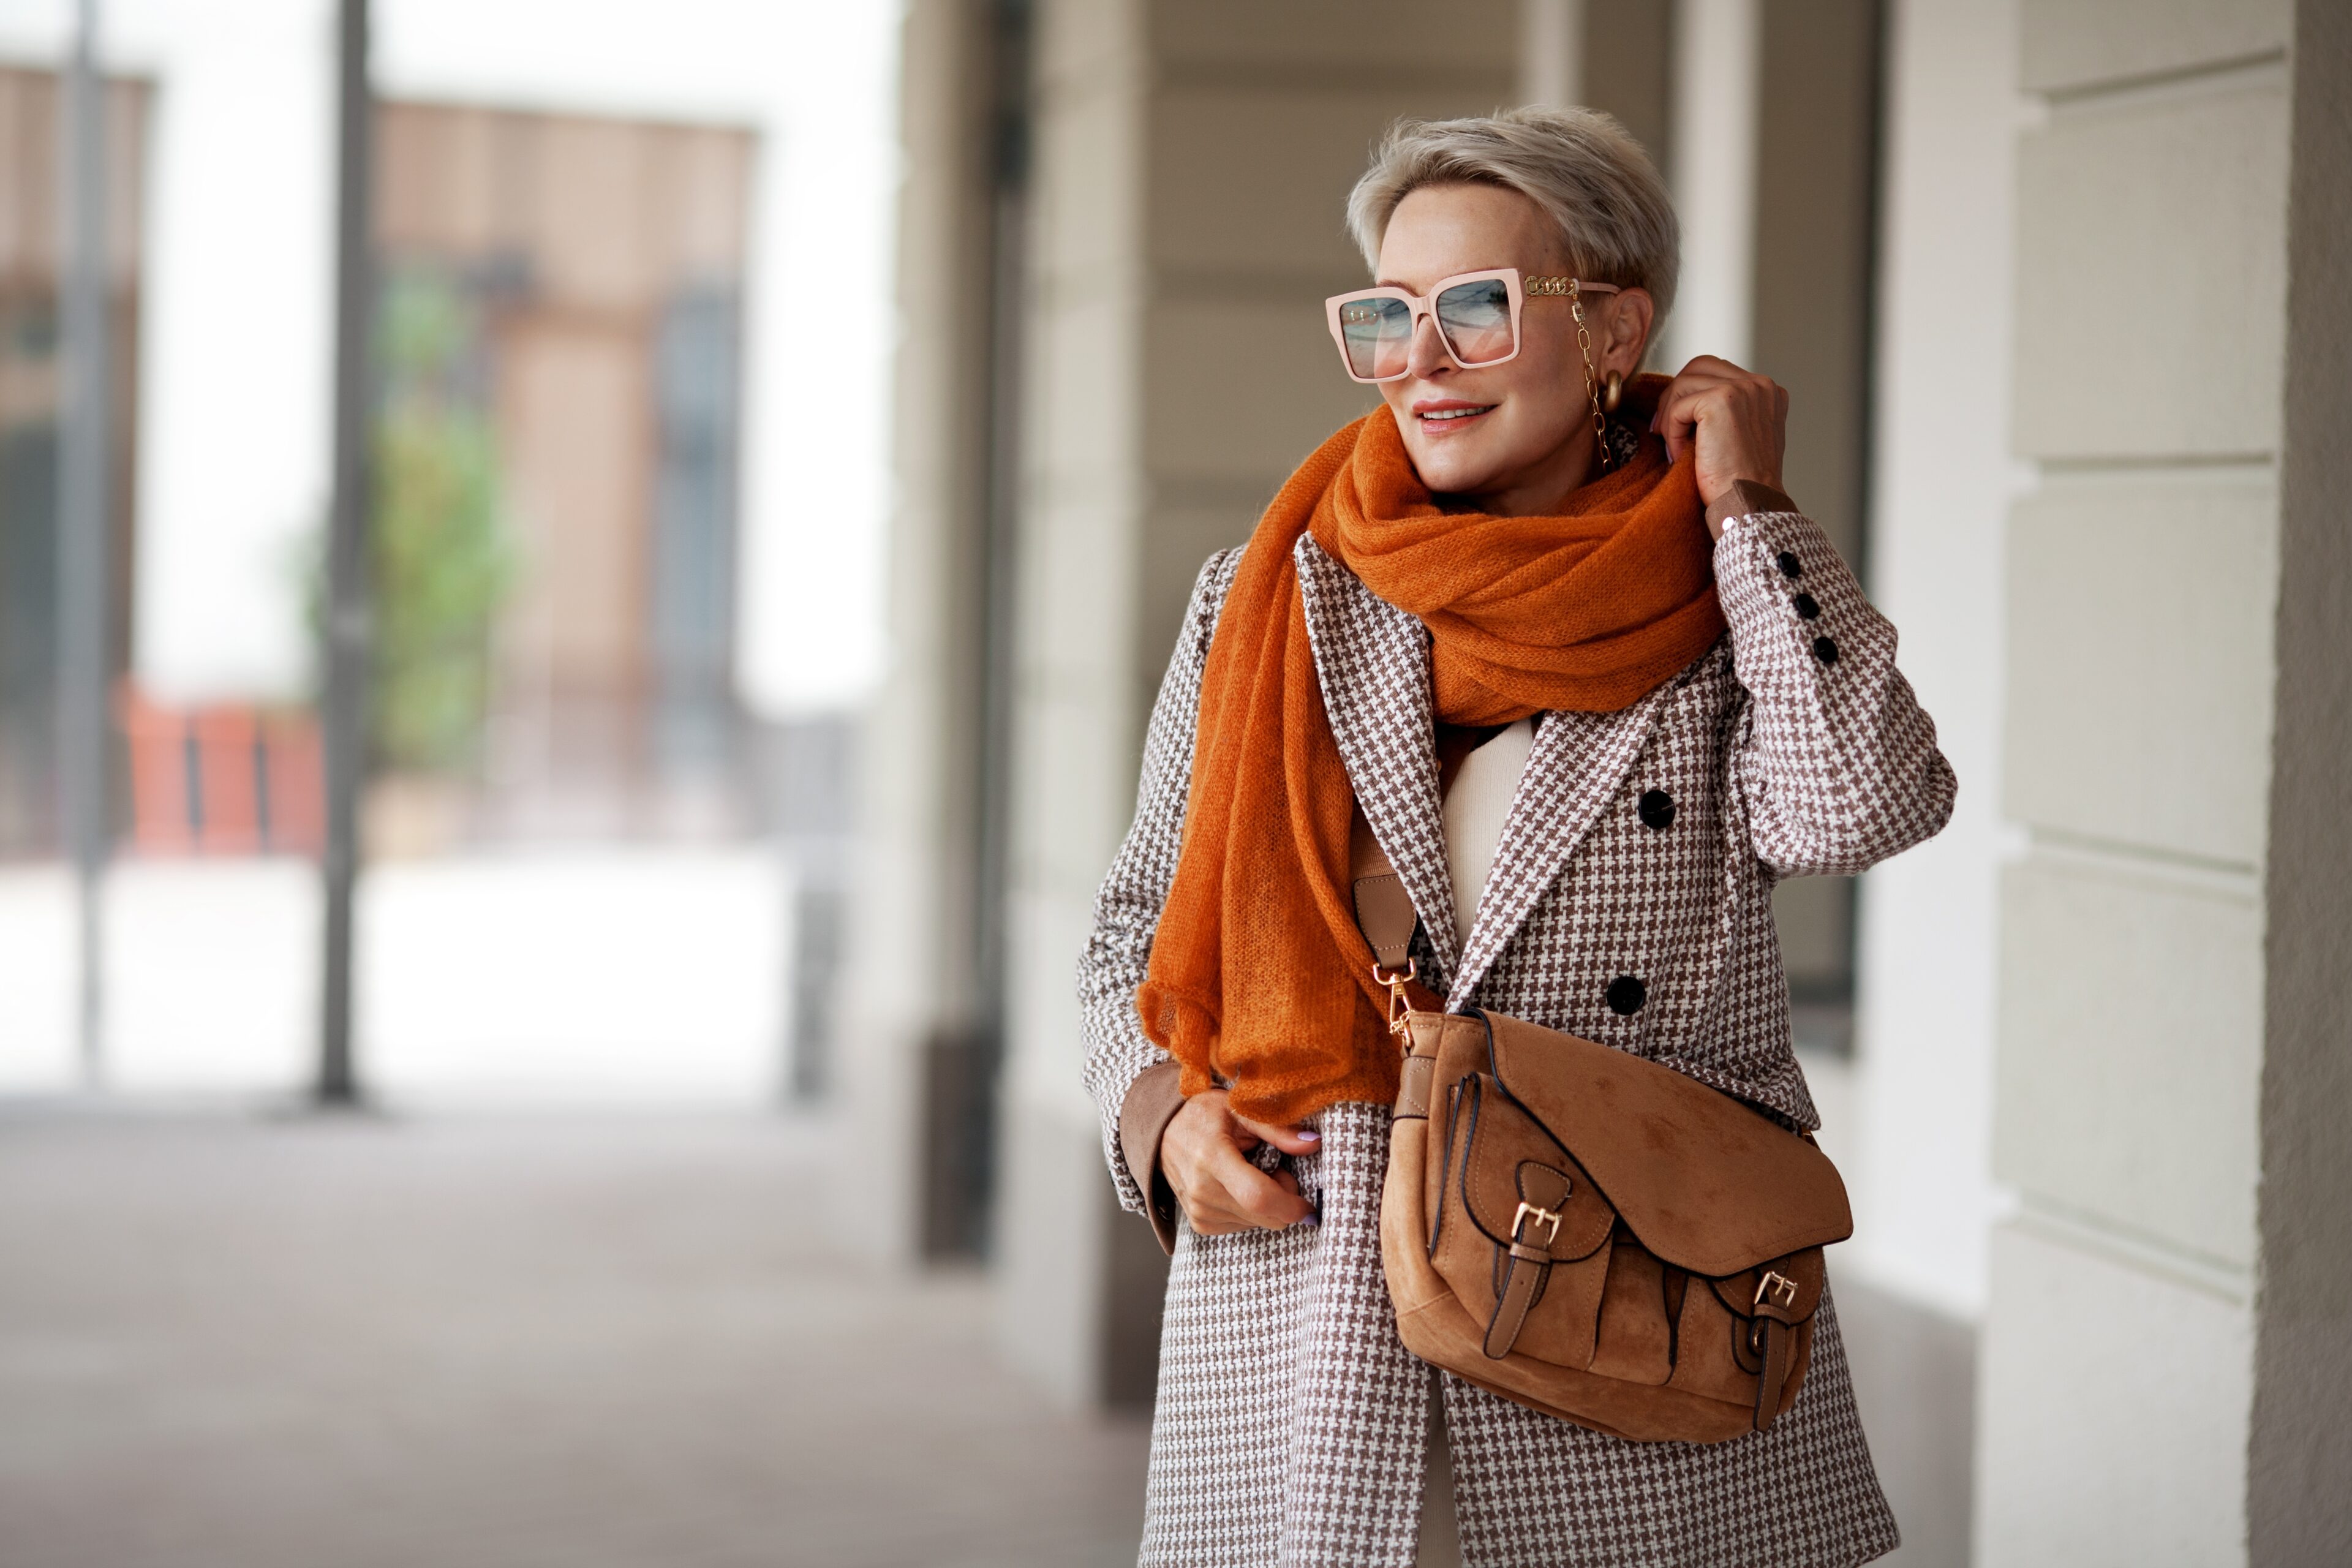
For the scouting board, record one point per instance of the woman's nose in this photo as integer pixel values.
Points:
(1428, 353)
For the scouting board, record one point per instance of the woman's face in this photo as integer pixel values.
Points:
(1514, 438)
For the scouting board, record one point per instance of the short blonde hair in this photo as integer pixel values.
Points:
(1581, 167)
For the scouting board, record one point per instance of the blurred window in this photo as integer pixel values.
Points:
(30, 236)
(570, 287)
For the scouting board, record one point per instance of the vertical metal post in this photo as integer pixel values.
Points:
(84, 521)
(343, 719)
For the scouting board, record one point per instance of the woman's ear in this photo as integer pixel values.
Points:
(1627, 331)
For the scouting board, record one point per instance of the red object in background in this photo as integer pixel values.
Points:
(228, 781)
(223, 779)
(295, 777)
(157, 741)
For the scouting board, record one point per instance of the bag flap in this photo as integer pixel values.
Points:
(1510, 1161)
(1708, 1183)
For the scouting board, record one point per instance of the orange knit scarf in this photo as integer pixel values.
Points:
(1258, 973)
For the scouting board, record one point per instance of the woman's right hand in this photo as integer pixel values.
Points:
(1201, 1156)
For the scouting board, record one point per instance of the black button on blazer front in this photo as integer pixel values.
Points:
(1657, 809)
(1626, 995)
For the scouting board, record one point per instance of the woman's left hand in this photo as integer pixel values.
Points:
(1737, 421)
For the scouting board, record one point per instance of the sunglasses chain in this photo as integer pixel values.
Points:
(1591, 383)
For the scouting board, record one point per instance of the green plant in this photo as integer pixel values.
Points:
(439, 552)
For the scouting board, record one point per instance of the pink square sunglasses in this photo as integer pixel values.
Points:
(1476, 314)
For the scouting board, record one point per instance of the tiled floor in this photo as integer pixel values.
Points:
(230, 1343)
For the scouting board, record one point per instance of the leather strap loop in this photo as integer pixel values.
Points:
(1523, 1279)
(1414, 1086)
(1775, 1375)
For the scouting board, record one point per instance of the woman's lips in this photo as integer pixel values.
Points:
(1445, 415)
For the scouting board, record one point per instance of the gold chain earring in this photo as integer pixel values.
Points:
(1613, 393)
(1591, 383)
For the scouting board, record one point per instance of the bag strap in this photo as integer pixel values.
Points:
(1772, 1338)
(1528, 1264)
(1384, 911)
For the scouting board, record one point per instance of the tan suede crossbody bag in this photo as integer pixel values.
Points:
(1594, 1236)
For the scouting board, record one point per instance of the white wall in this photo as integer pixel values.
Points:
(238, 263)
(1910, 1121)
(1943, 481)
(2144, 591)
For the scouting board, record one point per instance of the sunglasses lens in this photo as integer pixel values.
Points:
(1376, 334)
(1476, 320)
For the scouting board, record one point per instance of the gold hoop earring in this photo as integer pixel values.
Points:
(1615, 392)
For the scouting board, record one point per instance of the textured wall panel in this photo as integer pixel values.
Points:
(2113, 1422)
(2139, 659)
(2130, 1051)
(2075, 43)
(2151, 278)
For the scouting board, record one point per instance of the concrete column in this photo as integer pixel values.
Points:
(1625, 65)
(1717, 53)
(1941, 484)
(2172, 1009)
(1192, 165)
(2299, 1508)
(1552, 52)
(911, 990)
(1915, 1144)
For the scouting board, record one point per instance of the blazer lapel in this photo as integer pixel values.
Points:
(1371, 660)
(1575, 769)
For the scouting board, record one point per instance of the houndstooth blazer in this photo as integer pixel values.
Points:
(1640, 846)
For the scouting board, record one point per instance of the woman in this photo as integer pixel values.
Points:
(1595, 685)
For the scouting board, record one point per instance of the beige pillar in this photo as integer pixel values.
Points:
(912, 995)
(2164, 1373)
(1193, 161)
(1718, 65)
(2298, 1506)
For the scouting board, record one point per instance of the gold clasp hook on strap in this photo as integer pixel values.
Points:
(1396, 980)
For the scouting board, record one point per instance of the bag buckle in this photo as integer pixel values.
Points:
(1779, 1287)
(1542, 1215)
(1396, 980)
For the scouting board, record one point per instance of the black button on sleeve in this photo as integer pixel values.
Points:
(1806, 606)
(1790, 565)
(1825, 650)
(1657, 809)
(1626, 995)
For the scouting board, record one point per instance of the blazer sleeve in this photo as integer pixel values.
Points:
(1132, 1081)
(1835, 760)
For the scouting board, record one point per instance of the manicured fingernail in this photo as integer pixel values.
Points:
(1309, 1135)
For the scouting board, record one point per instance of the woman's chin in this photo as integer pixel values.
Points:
(1449, 472)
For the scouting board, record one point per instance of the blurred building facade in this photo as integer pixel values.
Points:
(31, 242)
(632, 391)
(2058, 289)
(591, 273)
